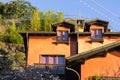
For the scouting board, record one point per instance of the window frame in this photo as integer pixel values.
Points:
(56, 57)
(96, 36)
(53, 68)
(64, 38)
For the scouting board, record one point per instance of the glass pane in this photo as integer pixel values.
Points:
(93, 34)
(51, 60)
(61, 59)
(59, 35)
(100, 33)
(54, 60)
(65, 37)
(42, 60)
(47, 60)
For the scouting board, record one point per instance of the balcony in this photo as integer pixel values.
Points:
(51, 68)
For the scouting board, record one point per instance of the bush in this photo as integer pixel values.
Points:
(11, 35)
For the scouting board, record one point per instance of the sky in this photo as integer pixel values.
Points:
(108, 10)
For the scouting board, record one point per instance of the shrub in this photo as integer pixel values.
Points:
(11, 35)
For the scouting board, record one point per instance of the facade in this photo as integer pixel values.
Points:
(75, 47)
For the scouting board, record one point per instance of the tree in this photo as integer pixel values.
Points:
(60, 16)
(49, 18)
(0, 18)
(12, 34)
(36, 21)
(18, 9)
(2, 8)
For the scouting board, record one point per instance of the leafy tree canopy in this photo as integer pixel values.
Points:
(18, 9)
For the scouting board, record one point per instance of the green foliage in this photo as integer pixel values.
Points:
(60, 16)
(18, 9)
(25, 25)
(49, 18)
(0, 18)
(12, 35)
(2, 8)
(36, 21)
(4, 62)
(42, 21)
(28, 17)
(10, 64)
(18, 60)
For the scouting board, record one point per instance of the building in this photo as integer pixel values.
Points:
(75, 47)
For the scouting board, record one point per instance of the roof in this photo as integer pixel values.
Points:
(98, 22)
(38, 33)
(83, 56)
(112, 34)
(65, 24)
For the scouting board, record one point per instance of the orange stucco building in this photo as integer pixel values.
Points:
(75, 47)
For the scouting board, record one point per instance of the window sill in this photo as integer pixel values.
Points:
(62, 41)
(97, 40)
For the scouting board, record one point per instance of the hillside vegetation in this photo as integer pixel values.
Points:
(17, 16)
(20, 15)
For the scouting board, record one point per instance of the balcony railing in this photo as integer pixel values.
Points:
(51, 68)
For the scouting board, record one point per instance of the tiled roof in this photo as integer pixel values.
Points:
(87, 54)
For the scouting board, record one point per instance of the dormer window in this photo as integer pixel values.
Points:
(62, 35)
(96, 34)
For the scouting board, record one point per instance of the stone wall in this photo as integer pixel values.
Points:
(12, 48)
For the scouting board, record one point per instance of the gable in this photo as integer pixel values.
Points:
(63, 24)
(98, 23)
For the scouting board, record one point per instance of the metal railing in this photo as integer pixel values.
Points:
(51, 68)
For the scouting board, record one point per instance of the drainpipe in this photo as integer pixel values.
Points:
(27, 48)
(74, 72)
(77, 36)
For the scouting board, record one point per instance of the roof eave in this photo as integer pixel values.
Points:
(87, 54)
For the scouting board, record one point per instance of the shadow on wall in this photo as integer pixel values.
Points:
(115, 51)
(71, 76)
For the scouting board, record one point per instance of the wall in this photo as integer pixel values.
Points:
(106, 66)
(39, 45)
(102, 66)
(84, 43)
(97, 27)
(63, 28)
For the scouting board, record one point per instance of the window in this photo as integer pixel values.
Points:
(62, 35)
(52, 59)
(54, 63)
(96, 34)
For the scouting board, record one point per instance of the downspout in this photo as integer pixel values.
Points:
(77, 36)
(26, 48)
(74, 72)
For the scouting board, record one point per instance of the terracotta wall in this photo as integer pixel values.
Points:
(63, 28)
(102, 66)
(106, 66)
(39, 45)
(45, 45)
(84, 43)
(97, 27)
